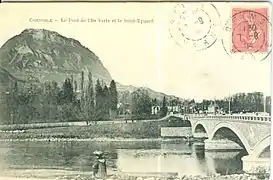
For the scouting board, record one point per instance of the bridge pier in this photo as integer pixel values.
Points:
(222, 144)
(253, 164)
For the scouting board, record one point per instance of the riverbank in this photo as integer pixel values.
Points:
(185, 177)
(141, 129)
(173, 140)
(150, 128)
(48, 174)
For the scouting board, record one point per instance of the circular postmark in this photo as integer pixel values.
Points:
(194, 25)
(246, 34)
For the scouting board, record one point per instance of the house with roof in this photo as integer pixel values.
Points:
(213, 108)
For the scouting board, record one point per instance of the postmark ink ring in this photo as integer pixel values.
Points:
(194, 25)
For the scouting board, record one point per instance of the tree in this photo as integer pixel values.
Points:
(173, 103)
(105, 102)
(30, 105)
(258, 101)
(126, 102)
(54, 95)
(125, 97)
(89, 97)
(75, 86)
(206, 104)
(67, 100)
(46, 113)
(249, 102)
(82, 98)
(154, 102)
(14, 103)
(141, 103)
(67, 93)
(113, 97)
(164, 108)
(82, 81)
(10, 105)
(99, 101)
(268, 104)
(23, 101)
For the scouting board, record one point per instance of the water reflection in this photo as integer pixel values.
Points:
(227, 162)
(152, 157)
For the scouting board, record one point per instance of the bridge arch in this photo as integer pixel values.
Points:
(235, 130)
(201, 125)
(261, 146)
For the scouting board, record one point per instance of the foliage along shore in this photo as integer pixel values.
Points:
(26, 103)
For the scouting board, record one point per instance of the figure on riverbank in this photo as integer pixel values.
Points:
(95, 167)
(99, 167)
(102, 168)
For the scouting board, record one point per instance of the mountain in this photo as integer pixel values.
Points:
(38, 55)
(153, 94)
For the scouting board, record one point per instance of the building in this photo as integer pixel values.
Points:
(174, 109)
(213, 108)
(155, 109)
(124, 109)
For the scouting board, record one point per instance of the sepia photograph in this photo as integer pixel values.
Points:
(135, 91)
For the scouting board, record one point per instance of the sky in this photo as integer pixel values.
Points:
(145, 54)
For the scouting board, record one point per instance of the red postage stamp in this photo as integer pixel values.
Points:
(250, 31)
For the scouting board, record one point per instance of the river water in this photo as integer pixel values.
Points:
(122, 156)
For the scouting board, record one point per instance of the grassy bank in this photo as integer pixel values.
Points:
(174, 122)
(149, 129)
(102, 129)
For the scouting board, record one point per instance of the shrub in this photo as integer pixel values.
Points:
(262, 173)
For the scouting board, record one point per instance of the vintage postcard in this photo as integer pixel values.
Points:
(135, 91)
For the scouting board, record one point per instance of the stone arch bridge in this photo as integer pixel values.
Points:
(253, 133)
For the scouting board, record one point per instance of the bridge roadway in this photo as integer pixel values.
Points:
(253, 132)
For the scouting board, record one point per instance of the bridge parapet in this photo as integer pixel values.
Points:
(232, 117)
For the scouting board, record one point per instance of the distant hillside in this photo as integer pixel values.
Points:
(153, 94)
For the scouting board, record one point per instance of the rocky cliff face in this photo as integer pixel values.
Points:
(5, 77)
(38, 55)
